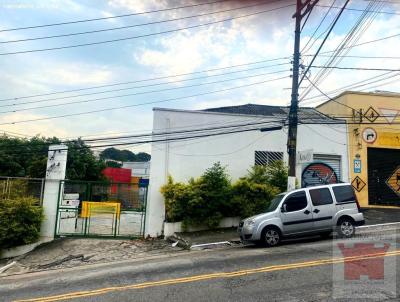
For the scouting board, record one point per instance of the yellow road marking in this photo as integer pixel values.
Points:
(203, 277)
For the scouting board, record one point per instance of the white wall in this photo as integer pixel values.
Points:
(55, 172)
(185, 159)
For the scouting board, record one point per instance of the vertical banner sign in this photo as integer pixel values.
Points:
(357, 166)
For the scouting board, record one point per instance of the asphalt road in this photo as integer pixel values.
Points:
(300, 270)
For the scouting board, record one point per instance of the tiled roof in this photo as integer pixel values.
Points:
(304, 113)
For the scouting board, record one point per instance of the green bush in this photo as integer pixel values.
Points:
(251, 198)
(20, 221)
(275, 174)
(209, 198)
(205, 200)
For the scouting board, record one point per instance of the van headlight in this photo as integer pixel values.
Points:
(249, 223)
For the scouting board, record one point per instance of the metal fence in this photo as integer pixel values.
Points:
(98, 209)
(20, 187)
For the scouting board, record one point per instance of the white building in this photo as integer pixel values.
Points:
(183, 159)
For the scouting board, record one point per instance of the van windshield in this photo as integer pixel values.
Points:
(275, 203)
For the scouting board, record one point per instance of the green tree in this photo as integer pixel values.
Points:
(113, 164)
(124, 155)
(28, 158)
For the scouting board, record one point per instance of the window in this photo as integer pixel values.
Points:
(344, 194)
(321, 197)
(296, 201)
(266, 157)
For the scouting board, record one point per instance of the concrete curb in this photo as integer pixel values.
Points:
(392, 226)
(380, 226)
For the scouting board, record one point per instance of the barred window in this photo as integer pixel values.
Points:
(266, 157)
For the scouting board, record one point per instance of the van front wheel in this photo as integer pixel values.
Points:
(271, 236)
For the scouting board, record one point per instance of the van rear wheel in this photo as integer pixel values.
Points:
(346, 228)
(271, 237)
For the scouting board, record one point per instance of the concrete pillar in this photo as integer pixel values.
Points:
(55, 172)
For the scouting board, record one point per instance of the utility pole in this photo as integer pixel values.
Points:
(307, 5)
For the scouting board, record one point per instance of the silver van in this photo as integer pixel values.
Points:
(314, 210)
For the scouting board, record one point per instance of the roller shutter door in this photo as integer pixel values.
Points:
(325, 169)
(383, 176)
(334, 161)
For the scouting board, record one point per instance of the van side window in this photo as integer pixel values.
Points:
(296, 201)
(344, 194)
(321, 197)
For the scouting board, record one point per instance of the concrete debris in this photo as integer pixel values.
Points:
(80, 257)
(6, 267)
(176, 240)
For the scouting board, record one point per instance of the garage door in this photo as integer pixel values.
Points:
(325, 169)
(384, 176)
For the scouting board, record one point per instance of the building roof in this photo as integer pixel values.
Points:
(373, 93)
(306, 114)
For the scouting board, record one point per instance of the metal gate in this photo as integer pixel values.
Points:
(384, 176)
(98, 209)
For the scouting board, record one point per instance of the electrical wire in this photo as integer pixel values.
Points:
(140, 104)
(368, 81)
(350, 40)
(131, 26)
(356, 68)
(114, 17)
(305, 49)
(323, 41)
(142, 35)
(139, 93)
(150, 85)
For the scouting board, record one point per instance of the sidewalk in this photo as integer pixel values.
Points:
(71, 252)
(381, 215)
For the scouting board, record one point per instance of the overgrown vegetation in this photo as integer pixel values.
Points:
(212, 196)
(20, 221)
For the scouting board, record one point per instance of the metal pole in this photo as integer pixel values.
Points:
(293, 118)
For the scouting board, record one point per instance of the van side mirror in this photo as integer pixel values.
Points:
(283, 208)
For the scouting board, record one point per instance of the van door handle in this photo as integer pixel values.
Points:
(307, 212)
(316, 211)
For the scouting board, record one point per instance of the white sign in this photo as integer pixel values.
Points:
(306, 156)
(369, 135)
(70, 202)
(71, 196)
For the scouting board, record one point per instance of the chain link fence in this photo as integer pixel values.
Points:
(20, 187)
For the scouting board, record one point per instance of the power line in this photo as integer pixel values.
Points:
(367, 81)
(323, 41)
(166, 139)
(360, 10)
(330, 99)
(113, 17)
(355, 68)
(131, 26)
(149, 79)
(305, 49)
(140, 93)
(146, 86)
(143, 35)
(357, 56)
(141, 104)
(169, 133)
(362, 23)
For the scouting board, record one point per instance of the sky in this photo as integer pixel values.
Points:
(260, 31)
